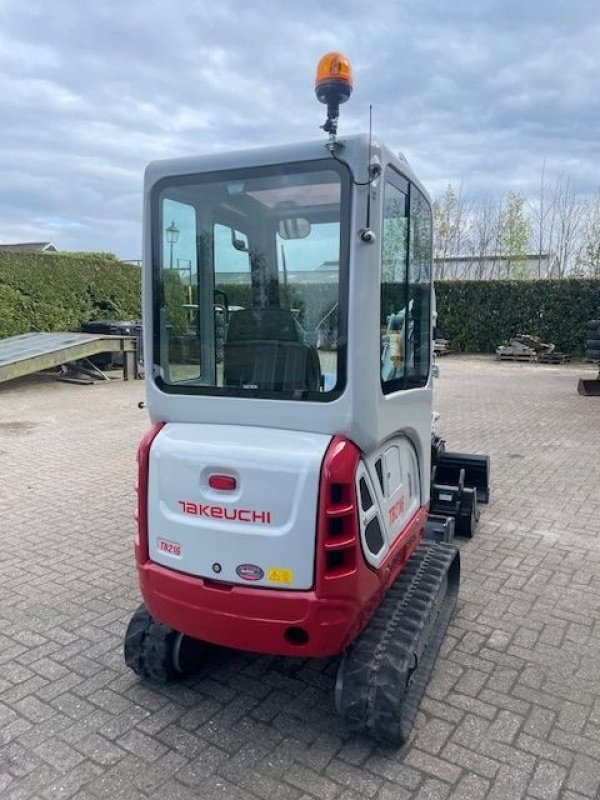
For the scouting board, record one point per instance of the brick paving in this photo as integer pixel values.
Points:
(512, 711)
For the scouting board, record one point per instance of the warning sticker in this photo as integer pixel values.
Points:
(280, 575)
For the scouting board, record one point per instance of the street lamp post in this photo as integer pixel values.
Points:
(187, 267)
(172, 233)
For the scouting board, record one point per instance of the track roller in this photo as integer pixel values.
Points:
(383, 675)
(157, 652)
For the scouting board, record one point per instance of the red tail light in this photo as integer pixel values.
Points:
(338, 534)
(141, 512)
(224, 483)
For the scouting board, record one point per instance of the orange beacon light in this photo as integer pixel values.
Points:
(334, 78)
(333, 86)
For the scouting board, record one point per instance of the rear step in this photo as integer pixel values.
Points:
(383, 675)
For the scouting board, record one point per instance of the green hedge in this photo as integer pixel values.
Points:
(477, 316)
(61, 291)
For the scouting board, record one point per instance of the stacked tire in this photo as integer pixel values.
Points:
(592, 340)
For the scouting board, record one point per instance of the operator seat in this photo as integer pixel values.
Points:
(264, 350)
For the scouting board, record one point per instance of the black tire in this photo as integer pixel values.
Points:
(593, 325)
(593, 355)
(592, 344)
(157, 652)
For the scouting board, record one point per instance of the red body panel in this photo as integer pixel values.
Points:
(345, 594)
(141, 511)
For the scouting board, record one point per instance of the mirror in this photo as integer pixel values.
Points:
(294, 228)
(240, 244)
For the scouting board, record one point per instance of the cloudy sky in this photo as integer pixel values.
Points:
(481, 91)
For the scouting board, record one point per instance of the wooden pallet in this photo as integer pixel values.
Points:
(554, 358)
(441, 347)
(515, 356)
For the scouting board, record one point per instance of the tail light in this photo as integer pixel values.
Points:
(338, 534)
(141, 488)
(223, 483)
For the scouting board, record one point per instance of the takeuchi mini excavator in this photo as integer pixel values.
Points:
(284, 487)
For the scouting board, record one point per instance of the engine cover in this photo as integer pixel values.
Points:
(235, 504)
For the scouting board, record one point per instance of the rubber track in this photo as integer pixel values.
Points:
(384, 674)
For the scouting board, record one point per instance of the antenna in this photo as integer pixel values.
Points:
(285, 276)
(373, 172)
(368, 221)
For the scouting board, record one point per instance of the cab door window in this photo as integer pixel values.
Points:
(405, 310)
(419, 290)
(394, 259)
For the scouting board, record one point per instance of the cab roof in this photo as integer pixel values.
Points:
(353, 150)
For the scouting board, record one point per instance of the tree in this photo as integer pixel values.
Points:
(565, 216)
(587, 263)
(450, 222)
(493, 237)
(514, 235)
(175, 300)
(539, 214)
(557, 216)
(483, 242)
(395, 228)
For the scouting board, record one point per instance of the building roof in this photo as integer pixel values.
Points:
(326, 266)
(293, 276)
(29, 247)
(473, 267)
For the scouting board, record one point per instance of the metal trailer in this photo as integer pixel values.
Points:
(35, 352)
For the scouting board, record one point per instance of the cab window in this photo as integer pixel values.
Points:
(250, 282)
(405, 309)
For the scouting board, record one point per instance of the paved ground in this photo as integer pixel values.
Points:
(513, 709)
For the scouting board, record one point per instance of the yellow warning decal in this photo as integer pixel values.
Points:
(280, 575)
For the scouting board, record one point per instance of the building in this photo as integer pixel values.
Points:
(530, 266)
(328, 272)
(29, 247)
